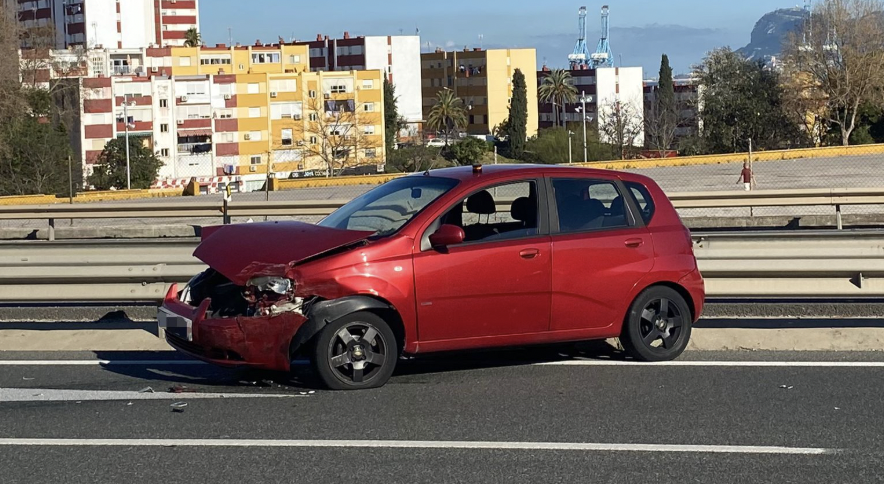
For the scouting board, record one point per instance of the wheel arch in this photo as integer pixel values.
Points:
(325, 311)
(681, 290)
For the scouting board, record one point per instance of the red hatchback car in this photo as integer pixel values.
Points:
(450, 259)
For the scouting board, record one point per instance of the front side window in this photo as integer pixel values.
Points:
(503, 212)
(389, 207)
(584, 204)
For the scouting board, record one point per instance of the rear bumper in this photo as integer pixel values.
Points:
(259, 342)
(696, 287)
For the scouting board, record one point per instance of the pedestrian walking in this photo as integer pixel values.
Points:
(747, 177)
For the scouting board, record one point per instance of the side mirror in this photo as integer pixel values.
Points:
(447, 235)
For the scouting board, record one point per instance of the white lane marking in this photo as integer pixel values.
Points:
(49, 395)
(422, 444)
(772, 364)
(100, 362)
(807, 364)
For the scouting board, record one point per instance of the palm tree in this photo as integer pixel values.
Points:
(192, 38)
(557, 88)
(448, 114)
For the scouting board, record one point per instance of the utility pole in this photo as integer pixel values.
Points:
(583, 101)
(126, 121)
(570, 158)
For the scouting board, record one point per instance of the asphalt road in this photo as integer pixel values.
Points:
(519, 416)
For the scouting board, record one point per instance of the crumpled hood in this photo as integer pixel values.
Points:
(243, 251)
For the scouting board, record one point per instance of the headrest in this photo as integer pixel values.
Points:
(481, 203)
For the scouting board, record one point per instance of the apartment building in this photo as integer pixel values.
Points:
(237, 111)
(687, 100)
(483, 80)
(121, 24)
(398, 56)
(603, 89)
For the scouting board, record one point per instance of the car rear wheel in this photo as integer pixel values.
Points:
(658, 327)
(356, 352)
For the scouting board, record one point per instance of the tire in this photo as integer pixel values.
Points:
(343, 362)
(650, 335)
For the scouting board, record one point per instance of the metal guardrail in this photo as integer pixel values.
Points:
(847, 264)
(191, 208)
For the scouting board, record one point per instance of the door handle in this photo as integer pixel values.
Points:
(634, 243)
(529, 253)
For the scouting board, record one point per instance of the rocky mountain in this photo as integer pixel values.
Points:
(771, 31)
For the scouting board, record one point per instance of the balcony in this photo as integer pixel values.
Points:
(121, 70)
(195, 148)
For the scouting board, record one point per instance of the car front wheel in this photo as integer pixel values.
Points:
(658, 326)
(356, 352)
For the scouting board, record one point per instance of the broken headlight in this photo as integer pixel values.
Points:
(278, 285)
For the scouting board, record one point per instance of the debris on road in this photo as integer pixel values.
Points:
(785, 387)
(178, 406)
(146, 390)
(181, 389)
(27, 379)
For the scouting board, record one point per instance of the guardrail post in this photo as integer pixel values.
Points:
(225, 209)
(52, 229)
(838, 217)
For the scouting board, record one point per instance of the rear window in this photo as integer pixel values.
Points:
(643, 200)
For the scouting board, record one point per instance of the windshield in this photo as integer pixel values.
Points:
(390, 206)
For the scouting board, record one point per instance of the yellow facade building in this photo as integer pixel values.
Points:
(483, 80)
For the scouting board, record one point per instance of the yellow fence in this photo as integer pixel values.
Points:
(86, 197)
(293, 184)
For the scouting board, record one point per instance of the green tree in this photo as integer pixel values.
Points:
(35, 159)
(416, 158)
(109, 172)
(743, 100)
(467, 151)
(448, 115)
(392, 122)
(557, 88)
(192, 38)
(516, 126)
(662, 114)
(550, 146)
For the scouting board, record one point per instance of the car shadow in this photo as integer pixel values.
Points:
(190, 377)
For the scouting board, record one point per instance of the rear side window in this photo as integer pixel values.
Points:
(643, 200)
(585, 204)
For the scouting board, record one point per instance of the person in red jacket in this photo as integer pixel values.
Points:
(747, 177)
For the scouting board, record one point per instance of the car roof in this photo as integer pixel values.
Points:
(466, 173)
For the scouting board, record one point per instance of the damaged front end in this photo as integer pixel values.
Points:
(218, 321)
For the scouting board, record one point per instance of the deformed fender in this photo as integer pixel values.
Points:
(321, 313)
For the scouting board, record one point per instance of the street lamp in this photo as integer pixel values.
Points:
(126, 121)
(582, 109)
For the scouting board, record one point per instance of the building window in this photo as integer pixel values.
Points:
(312, 94)
(265, 58)
(228, 137)
(254, 136)
(371, 153)
(164, 152)
(341, 153)
(254, 88)
(294, 59)
(368, 130)
(254, 112)
(184, 61)
(286, 111)
(338, 88)
(368, 84)
(225, 114)
(286, 137)
(313, 140)
(256, 159)
(369, 107)
(314, 117)
(164, 103)
(164, 128)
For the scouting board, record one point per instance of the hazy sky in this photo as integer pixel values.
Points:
(641, 30)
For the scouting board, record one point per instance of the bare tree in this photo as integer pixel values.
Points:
(342, 134)
(660, 126)
(621, 125)
(841, 56)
